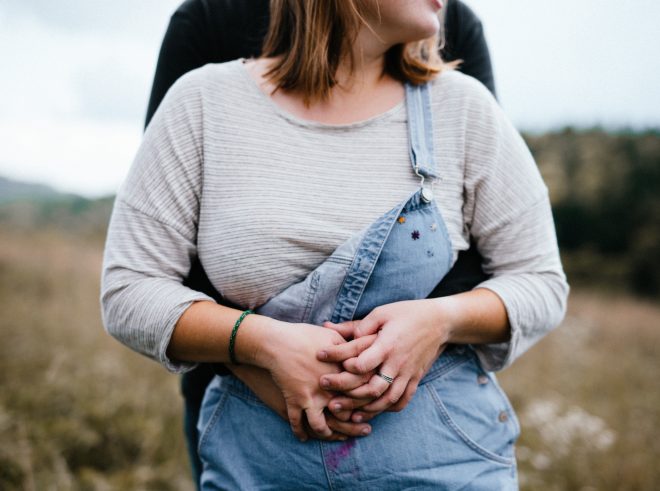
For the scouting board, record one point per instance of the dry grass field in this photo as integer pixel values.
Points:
(78, 411)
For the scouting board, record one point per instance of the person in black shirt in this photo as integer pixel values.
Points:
(215, 31)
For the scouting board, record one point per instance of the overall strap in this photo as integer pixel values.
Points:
(420, 130)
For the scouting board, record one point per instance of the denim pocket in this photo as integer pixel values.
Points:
(471, 403)
(214, 402)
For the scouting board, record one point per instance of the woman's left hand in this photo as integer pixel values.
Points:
(400, 340)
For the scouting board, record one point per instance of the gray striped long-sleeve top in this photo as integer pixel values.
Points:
(263, 197)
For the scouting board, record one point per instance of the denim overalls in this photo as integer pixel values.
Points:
(458, 431)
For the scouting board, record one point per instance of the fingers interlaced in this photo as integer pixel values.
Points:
(295, 420)
(342, 406)
(367, 326)
(390, 396)
(367, 360)
(346, 329)
(372, 390)
(338, 430)
(348, 427)
(363, 416)
(316, 421)
(343, 381)
(340, 352)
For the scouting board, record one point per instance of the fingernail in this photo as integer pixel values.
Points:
(325, 382)
(323, 355)
(336, 407)
(366, 431)
(357, 418)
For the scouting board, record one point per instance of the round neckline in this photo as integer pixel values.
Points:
(309, 123)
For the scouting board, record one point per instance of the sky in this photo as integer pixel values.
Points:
(77, 75)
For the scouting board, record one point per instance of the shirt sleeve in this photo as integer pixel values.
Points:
(507, 211)
(152, 235)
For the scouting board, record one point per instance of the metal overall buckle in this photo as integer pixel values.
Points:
(427, 192)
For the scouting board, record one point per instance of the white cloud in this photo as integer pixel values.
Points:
(86, 157)
(109, 19)
(79, 74)
(583, 63)
(73, 97)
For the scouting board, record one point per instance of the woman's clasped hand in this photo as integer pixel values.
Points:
(329, 382)
(389, 352)
(332, 381)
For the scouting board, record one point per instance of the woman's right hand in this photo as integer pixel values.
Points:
(288, 352)
(262, 384)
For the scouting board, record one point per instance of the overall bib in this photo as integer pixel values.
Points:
(459, 430)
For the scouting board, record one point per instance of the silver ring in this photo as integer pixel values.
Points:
(386, 378)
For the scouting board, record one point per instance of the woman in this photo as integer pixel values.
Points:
(301, 203)
(204, 31)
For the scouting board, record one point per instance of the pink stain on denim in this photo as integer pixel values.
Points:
(336, 456)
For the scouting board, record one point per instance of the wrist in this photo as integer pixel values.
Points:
(445, 319)
(474, 317)
(447, 315)
(254, 340)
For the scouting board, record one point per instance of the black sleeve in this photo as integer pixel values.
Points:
(186, 46)
(207, 31)
(465, 40)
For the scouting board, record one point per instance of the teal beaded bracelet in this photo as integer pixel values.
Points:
(232, 338)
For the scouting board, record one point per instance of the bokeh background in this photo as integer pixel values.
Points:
(581, 80)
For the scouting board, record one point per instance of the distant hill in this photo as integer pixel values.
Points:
(11, 190)
(26, 206)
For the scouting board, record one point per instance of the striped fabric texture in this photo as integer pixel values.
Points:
(263, 197)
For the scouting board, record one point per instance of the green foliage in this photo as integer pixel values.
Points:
(604, 190)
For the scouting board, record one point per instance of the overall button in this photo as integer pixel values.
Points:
(427, 195)
(482, 379)
(503, 417)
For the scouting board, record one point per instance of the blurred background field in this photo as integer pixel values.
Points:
(79, 411)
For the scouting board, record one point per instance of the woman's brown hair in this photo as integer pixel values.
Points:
(309, 38)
